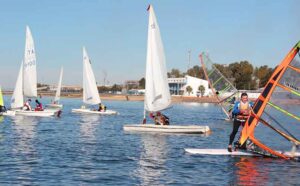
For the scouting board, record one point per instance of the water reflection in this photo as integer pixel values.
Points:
(249, 171)
(25, 131)
(86, 168)
(88, 125)
(151, 164)
(25, 155)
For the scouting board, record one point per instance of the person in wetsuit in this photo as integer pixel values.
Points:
(241, 111)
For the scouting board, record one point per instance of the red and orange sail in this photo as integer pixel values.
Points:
(277, 108)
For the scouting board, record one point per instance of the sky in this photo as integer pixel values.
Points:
(114, 33)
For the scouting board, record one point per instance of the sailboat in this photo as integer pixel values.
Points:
(55, 103)
(4, 111)
(26, 85)
(157, 92)
(90, 91)
(272, 129)
(221, 87)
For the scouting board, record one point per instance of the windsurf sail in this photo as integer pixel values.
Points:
(274, 122)
(157, 92)
(221, 87)
(90, 91)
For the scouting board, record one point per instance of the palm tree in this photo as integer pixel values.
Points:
(201, 88)
(189, 89)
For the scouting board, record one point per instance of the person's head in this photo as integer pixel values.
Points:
(244, 97)
(151, 115)
(29, 100)
(37, 101)
(158, 113)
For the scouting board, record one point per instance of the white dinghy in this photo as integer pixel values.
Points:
(26, 84)
(157, 92)
(90, 91)
(55, 103)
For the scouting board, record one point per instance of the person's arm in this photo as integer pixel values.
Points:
(236, 110)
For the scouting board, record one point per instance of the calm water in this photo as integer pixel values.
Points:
(88, 149)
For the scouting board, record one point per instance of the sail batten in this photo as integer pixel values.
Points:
(157, 93)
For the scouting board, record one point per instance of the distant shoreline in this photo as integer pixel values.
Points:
(122, 97)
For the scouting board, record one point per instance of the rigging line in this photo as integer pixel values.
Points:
(225, 89)
(210, 72)
(288, 89)
(220, 101)
(290, 138)
(280, 125)
(284, 111)
(217, 81)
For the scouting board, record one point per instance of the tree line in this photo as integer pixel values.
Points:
(242, 74)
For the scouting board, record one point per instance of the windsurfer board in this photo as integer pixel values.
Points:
(220, 152)
(183, 129)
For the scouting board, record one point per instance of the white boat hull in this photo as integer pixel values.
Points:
(44, 113)
(89, 111)
(224, 152)
(54, 105)
(9, 113)
(189, 129)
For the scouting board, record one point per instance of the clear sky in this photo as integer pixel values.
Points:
(115, 34)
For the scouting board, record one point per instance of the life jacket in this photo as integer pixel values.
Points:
(243, 106)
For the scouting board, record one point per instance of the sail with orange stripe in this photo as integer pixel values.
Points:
(274, 124)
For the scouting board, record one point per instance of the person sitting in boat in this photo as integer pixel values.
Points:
(164, 119)
(241, 112)
(101, 107)
(159, 118)
(39, 106)
(2, 108)
(27, 105)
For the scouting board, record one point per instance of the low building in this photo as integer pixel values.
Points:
(178, 86)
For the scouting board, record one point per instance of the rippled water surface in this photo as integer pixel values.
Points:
(90, 149)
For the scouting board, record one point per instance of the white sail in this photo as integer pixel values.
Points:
(90, 91)
(157, 93)
(17, 97)
(58, 89)
(29, 67)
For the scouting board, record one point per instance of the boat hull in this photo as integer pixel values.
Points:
(54, 105)
(44, 113)
(181, 129)
(8, 113)
(89, 111)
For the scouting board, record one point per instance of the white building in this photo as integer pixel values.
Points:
(178, 86)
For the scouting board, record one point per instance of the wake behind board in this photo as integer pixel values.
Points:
(188, 129)
(220, 152)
